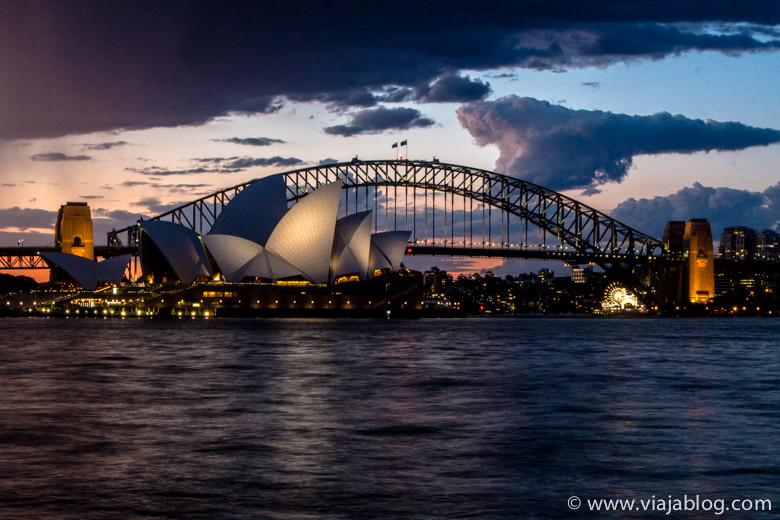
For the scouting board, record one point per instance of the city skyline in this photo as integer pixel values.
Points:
(648, 111)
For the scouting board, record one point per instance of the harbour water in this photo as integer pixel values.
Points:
(463, 418)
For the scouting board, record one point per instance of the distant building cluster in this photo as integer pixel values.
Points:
(527, 293)
(695, 282)
(739, 291)
(743, 243)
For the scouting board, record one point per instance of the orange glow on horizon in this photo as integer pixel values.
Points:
(39, 275)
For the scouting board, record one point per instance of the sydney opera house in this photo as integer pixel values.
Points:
(259, 258)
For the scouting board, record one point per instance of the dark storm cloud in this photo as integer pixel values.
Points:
(447, 88)
(605, 43)
(340, 100)
(329, 160)
(451, 88)
(377, 120)
(25, 218)
(156, 170)
(146, 202)
(248, 162)
(140, 64)
(561, 148)
(222, 165)
(252, 141)
(105, 146)
(395, 94)
(59, 156)
(214, 160)
(173, 188)
(180, 187)
(722, 207)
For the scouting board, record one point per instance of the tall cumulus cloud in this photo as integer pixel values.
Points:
(561, 148)
(722, 207)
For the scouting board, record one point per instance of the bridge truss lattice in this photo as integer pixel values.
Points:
(455, 210)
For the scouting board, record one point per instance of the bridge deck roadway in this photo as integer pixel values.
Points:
(531, 254)
(28, 257)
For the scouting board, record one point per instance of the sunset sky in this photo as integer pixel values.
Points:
(647, 110)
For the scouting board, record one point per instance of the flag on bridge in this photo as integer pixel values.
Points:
(395, 145)
(403, 143)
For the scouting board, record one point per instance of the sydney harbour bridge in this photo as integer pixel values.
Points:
(450, 210)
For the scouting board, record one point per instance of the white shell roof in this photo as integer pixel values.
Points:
(352, 245)
(231, 253)
(304, 237)
(280, 267)
(387, 249)
(181, 247)
(88, 272)
(254, 211)
(258, 266)
(268, 265)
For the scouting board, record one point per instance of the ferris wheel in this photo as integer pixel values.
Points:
(617, 297)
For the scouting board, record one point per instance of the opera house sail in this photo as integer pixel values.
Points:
(255, 211)
(89, 273)
(169, 251)
(352, 246)
(304, 236)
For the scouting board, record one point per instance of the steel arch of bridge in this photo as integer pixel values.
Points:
(580, 233)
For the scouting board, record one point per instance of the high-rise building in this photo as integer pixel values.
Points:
(546, 275)
(670, 285)
(435, 280)
(737, 243)
(674, 231)
(767, 245)
(581, 274)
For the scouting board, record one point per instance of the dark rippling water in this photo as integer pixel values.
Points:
(298, 419)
